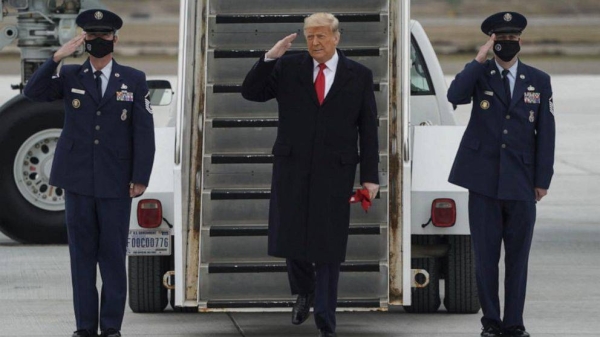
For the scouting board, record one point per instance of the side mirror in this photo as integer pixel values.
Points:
(160, 92)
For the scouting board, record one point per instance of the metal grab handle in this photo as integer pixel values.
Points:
(166, 280)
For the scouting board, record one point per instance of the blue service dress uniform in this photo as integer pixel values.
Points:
(506, 152)
(107, 143)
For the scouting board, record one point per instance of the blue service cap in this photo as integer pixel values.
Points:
(98, 20)
(504, 22)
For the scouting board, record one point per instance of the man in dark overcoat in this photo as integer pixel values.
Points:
(505, 160)
(103, 158)
(327, 125)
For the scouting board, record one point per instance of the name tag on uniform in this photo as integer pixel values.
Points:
(489, 93)
(78, 91)
(532, 97)
(124, 96)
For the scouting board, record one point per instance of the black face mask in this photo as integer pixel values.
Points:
(99, 47)
(506, 50)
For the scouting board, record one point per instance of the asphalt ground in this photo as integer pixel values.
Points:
(562, 300)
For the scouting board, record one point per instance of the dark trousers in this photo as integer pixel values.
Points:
(492, 222)
(322, 279)
(98, 229)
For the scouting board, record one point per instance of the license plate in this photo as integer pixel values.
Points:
(149, 242)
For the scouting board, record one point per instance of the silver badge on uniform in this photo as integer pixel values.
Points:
(531, 118)
(530, 88)
(124, 115)
(124, 87)
(76, 103)
(522, 76)
(493, 72)
(117, 75)
(98, 15)
(507, 17)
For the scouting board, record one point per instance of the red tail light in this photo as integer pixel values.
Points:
(443, 212)
(149, 213)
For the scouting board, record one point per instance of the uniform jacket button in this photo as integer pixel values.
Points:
(96, 142)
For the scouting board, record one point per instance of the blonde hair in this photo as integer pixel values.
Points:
(321, 20)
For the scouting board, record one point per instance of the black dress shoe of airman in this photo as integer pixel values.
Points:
(111, 333)
(324, 333)
(491, 331)
(301, 308)
(516, 332)
(84, 333)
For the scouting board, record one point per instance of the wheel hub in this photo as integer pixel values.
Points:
(32, 167)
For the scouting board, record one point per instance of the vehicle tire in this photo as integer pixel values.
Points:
(460, 285)
(31, 211)
(427, 299)
(146, 290)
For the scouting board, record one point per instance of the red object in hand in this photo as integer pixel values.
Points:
(361, 196)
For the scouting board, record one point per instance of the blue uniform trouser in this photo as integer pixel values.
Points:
(492, 222)
(98, 229)
(324, 284)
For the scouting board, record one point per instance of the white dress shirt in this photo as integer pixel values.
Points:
(512, 75)
(329, 71)
(105, 75)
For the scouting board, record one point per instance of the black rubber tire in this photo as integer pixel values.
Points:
(460, 285)
(427, 299)
(146, 290)
(19, 219)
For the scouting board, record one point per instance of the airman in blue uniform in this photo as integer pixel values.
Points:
(505, 160)
(103, 159)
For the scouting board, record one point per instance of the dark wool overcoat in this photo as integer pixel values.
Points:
(316, 153)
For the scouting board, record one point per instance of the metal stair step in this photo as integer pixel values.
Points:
(237, 88)
(251, 281)
(262, 158)
(291, 18)
(233, 230)
(288, 303)
(251, 194)
(280, 267)
(253, 53)
(244, 122)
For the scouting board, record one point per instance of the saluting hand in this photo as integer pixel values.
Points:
(372, 188)
(135, 190)
(483, 50)
(69, 48)
(281, 47)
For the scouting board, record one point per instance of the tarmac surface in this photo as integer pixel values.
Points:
(562, 300)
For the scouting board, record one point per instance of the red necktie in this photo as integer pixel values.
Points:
(320, 83)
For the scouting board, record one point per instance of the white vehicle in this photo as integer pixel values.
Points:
(212, 171)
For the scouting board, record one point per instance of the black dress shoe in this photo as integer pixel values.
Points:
(111, 333)
(491, 331)
(516, 332)
(84, 333)
(327, 334)
(301, 308)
